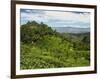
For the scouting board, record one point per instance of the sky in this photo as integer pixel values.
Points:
(56, 18)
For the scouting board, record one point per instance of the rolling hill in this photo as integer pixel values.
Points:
(43, 47)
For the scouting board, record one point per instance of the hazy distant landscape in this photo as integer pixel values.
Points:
(71, 29)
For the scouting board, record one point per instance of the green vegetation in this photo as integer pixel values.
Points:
(42, 47)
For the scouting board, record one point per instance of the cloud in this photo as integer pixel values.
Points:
(56, 18)
(35, 11)
(68, 16)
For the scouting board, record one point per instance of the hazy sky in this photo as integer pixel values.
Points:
(56, 18)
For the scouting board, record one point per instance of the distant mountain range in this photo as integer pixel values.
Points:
(71, 29)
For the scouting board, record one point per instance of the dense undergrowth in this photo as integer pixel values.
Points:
(42, 47)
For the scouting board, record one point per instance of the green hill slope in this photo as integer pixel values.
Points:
(42, 47)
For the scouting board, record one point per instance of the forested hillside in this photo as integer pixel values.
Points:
(42, 47)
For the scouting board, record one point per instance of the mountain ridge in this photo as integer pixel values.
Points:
(71, 29)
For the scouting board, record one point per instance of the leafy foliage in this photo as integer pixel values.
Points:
(42, 47)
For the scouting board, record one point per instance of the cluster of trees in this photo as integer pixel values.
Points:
(80, 41)
(42, 47)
